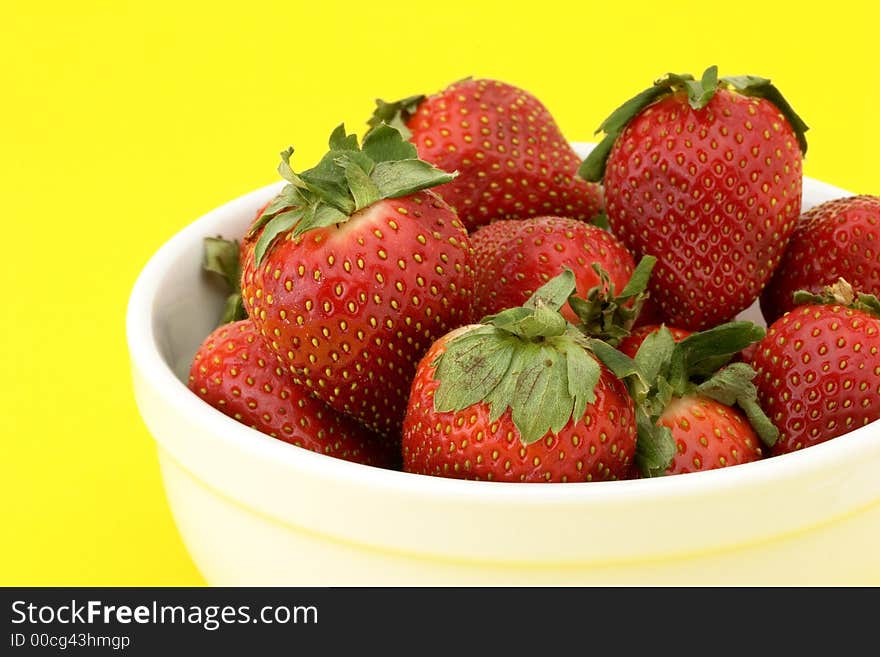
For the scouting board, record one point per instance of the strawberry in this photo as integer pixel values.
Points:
(357, 268)
(705, 175)
(819, 367)
(695, 409)
(237, 374)
(519, 398)
(708, 435)
(512, 159)
(837, 239)
(525, 254)
(630, 344)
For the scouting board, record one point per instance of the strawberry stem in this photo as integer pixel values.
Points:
(609, 316)
(840, 293)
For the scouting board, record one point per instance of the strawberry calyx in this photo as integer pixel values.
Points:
(221, 257)
(664, 370)
(699, 93)
(840, 293)
(396, 114)
(527, 359)
(609, 316)
(349, 178)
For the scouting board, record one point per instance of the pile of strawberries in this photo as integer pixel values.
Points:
(458, 294)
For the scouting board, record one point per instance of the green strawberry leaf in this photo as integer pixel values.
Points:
(592, 169)
(280, 223)
(341, 141)
(733, 385)
(221, 257)
(526, 359)
(363, 189)
(869, 303)
(233, 309)
(601, 220)
(701, 354)
(655, 447)
(530, 322)
(541, 399)
(477, 362)
(286, 172)
(638, 281)
(554, 293)
(318, 216)
(751, 85)
(347, 179)
(583, 375)
(383, 144)
(655, 353)
(404, 177)
(396, 114)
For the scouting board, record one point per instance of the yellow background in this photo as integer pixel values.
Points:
(120, 122)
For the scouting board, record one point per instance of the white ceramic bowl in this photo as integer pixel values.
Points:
(256, 511)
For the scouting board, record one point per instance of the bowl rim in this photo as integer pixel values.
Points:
(146, 356)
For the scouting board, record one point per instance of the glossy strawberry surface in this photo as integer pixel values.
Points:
(708, 435)
(467, 444)
(819, 374)
(514, 258)
(513, 161)
(351, 308)
(237, 374)
(714, 193)
(837, 239)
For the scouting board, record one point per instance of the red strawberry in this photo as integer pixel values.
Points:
(630, 344)
(706, 176)
(819, 368)
(837, 239)
(708, 435)
(512, 158)
(519, 399)
(357, 269)
(695, 410)
(236, 374)
(525, 254)
(487, 240)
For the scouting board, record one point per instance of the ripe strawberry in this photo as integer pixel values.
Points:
(706, 176)
(630, 344)
(487, 240)
(519, 398)
(236, 374)
(525, 254)
(837, 239)
(356, 270)
(695, 410)
(819, 368)
(708, 435)
(512, 158)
